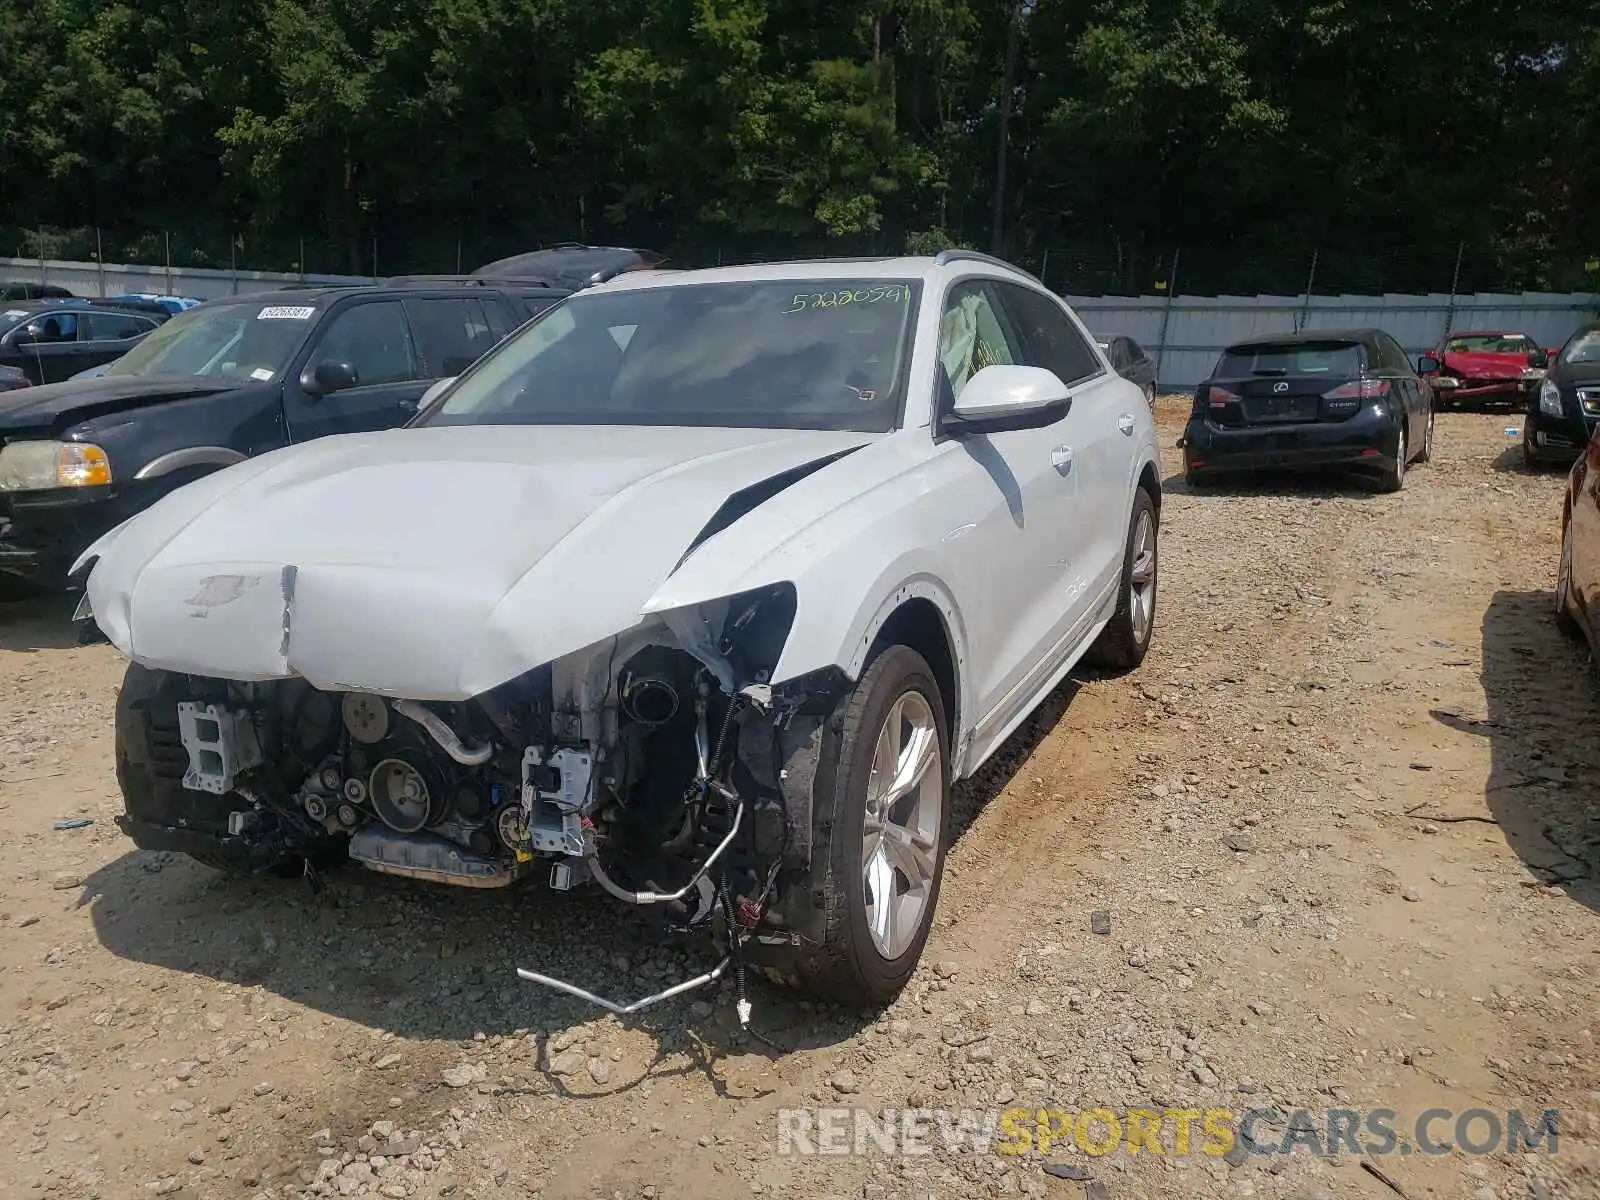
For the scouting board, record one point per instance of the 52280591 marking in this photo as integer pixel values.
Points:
(804, 300)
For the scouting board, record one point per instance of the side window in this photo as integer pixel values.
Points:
(373, 339)
(112, 327)
(971, 336)
(1402, 360)
(451, 334)
(57, 327)
(1049, 337)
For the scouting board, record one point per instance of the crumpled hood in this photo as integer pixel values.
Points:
(1486, 366)
(431, 563)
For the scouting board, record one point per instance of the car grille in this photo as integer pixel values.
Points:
(1589, 400)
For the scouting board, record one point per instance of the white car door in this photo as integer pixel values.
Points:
(1104, 434)
(1015, 543)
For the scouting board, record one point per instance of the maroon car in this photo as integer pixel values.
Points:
(1488, 365)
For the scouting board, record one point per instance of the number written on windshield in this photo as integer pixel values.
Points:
(893, 293)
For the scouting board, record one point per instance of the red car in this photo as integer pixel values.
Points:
(1494, 365)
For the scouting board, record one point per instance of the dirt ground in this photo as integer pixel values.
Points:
(1344, 822)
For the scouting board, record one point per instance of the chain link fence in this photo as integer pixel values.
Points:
(1099, 266)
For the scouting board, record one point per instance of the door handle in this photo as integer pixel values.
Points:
(1061, 458)
(1125, 425)
(407, 403)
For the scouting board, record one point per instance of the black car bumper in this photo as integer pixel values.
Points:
(42, 533)
(1556, 439)
(1366, 441)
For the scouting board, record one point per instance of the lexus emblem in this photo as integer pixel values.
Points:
(1280, 387)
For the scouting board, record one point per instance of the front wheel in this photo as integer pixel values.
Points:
(885, 800)
(1125, 640)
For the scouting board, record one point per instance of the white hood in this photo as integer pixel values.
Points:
(429, 563)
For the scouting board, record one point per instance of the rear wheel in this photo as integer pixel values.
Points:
(885, 802)
(1394, 478)
(1426, 453)
(1123, 643)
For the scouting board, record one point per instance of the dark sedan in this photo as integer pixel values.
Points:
(1318, 398)
(51, 342)
(1564, 411)
(1130, 361)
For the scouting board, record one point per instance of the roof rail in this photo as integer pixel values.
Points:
(472, 281)
(946, 257)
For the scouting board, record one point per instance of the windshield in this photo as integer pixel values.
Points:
(772, 354)
(1583, 348)
(1490, 343)
(228, 342)
(1293, 358)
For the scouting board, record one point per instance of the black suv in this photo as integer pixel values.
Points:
(1317, 398)
(50, 342)
(226, 380)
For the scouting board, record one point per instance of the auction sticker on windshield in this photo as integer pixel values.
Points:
(285, 314)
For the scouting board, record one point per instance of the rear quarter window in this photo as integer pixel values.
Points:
(1333, 358)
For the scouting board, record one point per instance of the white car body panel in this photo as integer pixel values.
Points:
(438, 600)
(436, 563)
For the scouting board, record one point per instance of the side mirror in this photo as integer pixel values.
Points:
(1427, 365)
(1538, 360)
(28, 335)
(1002, 398)
(432, 394)
(329, 376)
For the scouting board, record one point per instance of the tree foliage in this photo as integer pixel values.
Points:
(430, 132)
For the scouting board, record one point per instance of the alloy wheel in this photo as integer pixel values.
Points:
(902, 824)
(1142, 577)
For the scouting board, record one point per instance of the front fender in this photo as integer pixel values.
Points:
(837, 617)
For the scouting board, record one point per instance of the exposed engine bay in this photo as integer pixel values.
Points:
(659, 765)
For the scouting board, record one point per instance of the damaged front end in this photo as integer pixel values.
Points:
(661, 765)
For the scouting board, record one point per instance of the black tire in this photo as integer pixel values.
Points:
(150, 761)
(1392, 479)
(1426, 453)
(847, 968)
(1530, 456)
(1120, 646)
(1193, 479)
(1565, 621)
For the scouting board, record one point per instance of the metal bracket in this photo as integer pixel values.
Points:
(572, 989)
(220, 743)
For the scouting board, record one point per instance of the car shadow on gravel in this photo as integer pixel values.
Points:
(1510, 461)
(1542, 719)
(426, 962)
(38, 623)
(1311, 485)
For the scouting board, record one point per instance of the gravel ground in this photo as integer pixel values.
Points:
(1341, 830)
